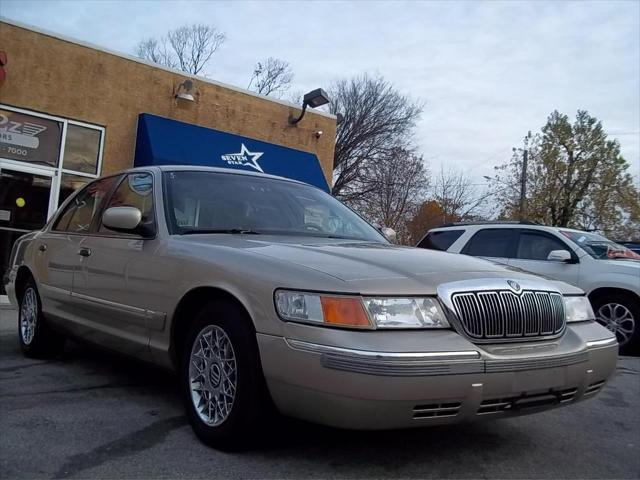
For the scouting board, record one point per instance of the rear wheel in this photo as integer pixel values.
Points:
(37, 340)
(621, 315)
(222, 383)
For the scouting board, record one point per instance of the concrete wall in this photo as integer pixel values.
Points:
(59, 77)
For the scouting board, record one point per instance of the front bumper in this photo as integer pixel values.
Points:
(8, 280)
(371, 389)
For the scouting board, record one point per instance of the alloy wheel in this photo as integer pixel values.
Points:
(28, 315)
(618, 319)
(213, 375)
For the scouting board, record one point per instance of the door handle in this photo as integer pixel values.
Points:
(42, 247)
(84, 252)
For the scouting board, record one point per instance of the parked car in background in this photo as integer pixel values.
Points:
(607, 271)
(259, 289)
(633, 246)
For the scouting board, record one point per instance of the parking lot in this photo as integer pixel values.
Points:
(89, 414)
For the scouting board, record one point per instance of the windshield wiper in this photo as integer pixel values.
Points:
(234, 231)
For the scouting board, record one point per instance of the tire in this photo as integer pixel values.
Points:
(36, 339)
(229, 372)
(621, 314)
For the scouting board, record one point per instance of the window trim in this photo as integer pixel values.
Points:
(512, 250)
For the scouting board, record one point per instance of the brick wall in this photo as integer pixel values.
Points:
(59, 77)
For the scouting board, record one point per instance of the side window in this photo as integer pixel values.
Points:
(492, 242)
(440, 240)
(78, 215)
(135, 190)
(537, 246)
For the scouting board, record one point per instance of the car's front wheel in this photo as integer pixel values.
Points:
(37, 340)
(221, 377)
(621, 315)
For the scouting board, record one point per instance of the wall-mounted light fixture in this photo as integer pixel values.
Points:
(185, 91)
(313, 99)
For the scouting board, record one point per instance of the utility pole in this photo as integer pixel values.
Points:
(523, 178)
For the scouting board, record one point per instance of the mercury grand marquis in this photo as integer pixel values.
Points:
(263, 291)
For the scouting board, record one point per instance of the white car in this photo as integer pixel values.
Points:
(607, 271)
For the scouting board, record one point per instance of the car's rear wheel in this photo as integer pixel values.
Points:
(621, 315)
(36, 338)
(221, 378)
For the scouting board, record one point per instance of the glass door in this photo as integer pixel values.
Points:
(25, 205)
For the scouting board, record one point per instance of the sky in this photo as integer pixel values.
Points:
(487, 72)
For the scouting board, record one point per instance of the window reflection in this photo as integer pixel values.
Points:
(69, 184)
(81, 149)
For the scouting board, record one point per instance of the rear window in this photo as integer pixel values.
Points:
(440, 240)
(492, 242)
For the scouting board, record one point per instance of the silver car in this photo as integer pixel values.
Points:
(265, 291)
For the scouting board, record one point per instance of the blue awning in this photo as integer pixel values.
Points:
(162, 141)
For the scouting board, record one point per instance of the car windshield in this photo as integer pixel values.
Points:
(598, 246)
(215, 202)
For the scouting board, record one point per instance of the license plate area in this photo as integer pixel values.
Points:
(533, 401)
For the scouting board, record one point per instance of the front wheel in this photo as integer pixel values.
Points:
(222, 383)
(37, 340)
(621, 315)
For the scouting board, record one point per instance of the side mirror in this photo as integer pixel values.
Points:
(390, 234)
(559, 256)
(122, 219)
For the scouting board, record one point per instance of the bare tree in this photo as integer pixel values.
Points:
(271, 77)
(188, 48)
(377, 120)
(156, 51)
(401, 184)
(456, 195)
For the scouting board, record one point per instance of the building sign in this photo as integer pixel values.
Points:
(162, 141)
(29, 139)
(244, 158)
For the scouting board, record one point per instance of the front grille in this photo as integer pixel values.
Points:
(450, 409)
(498, 405)
(593, 388)
(504, 314)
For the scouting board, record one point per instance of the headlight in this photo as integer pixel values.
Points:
(355, 312)
(578, 309)
(406, 312)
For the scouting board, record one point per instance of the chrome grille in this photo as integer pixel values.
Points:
(505, 314)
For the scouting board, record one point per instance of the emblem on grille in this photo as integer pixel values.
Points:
(515, 285)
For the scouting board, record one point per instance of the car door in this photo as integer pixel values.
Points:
(495, 244)
(118, 275)
(56, 259)
(532, 255)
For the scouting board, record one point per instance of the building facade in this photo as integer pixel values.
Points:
(70, 112)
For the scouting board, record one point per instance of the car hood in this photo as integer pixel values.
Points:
(370, 267)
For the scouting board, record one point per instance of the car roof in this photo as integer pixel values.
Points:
(200, 168)
(504, 224)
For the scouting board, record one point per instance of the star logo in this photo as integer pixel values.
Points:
(244, 158)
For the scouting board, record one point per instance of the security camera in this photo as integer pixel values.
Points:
(319, 133)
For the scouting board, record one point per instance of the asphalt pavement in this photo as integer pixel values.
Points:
(90, 414)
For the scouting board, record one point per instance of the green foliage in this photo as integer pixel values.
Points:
(576, 177)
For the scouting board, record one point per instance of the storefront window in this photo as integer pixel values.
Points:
(69, 184)
(82, 149)
(30, 139)
(36, 169)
